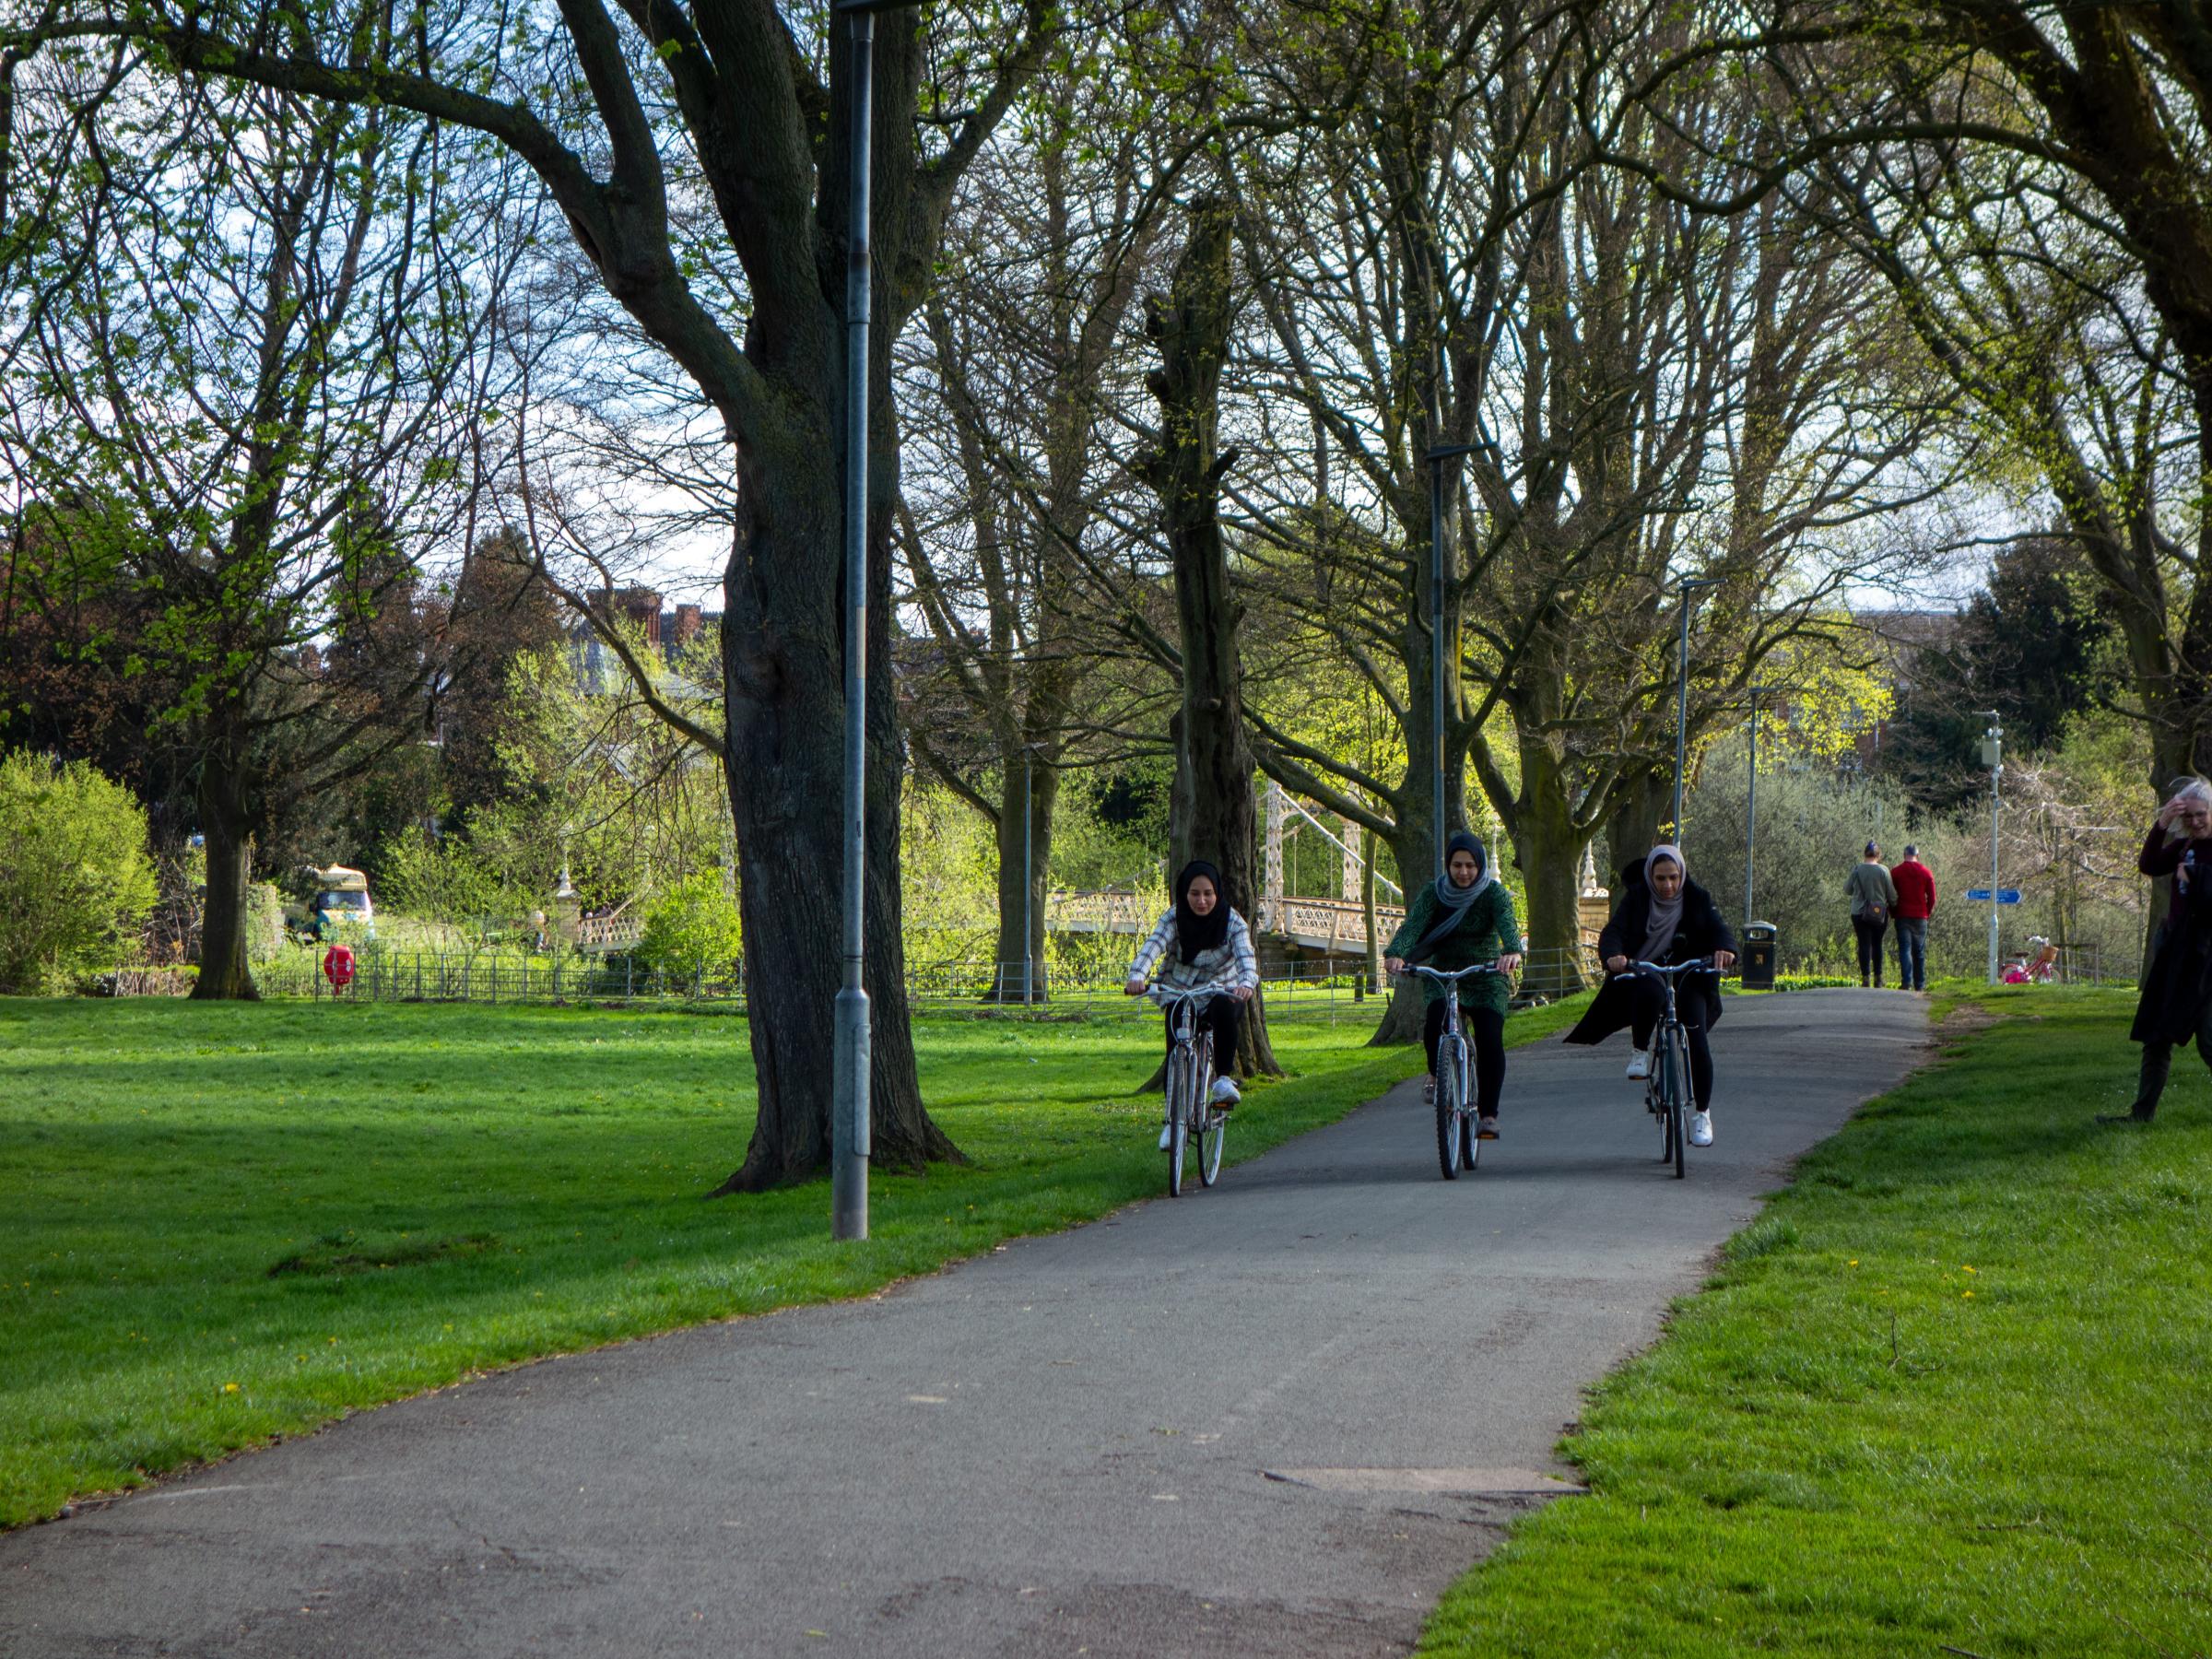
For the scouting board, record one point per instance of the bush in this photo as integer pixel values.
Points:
(265, 923)
(75, 882)
(692, 927)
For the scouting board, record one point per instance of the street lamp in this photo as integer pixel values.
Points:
(1436, 459)
(1752, 805)
(1993, 756)
(850, 1070)
(1687, 585)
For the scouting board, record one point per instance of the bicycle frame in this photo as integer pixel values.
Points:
(1457, 1148)
(1200, 1119)
(1669, 1084)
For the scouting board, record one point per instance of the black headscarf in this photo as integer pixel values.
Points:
(1195, 932)
(1453, 901)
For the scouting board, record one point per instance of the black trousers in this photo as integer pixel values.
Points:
(1651, 1008)
(1485, 1029)
(1220, 1017)
(1870, 946)
(2158, 1060)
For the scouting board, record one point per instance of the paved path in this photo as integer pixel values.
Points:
(1071, 1446)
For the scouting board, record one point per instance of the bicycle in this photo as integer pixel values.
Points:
(1666, 1084)
(1192, 1116)
(1457, 1145)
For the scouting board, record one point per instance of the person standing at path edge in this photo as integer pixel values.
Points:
(1915, 886)
(1873, 897)
(2176, 1005)
(1463, 918)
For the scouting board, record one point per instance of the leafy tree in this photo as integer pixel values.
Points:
(2038, 645)
(75, 879)
(239, 325)
(700, 159)
(693, 927)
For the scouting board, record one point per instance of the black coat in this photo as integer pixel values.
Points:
(1702, 930)
(2179, 987)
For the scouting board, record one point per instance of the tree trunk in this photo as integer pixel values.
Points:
(1415, 851)
(783, 661)
(1213, 797)
(1549, 844)
(1633, 827)
(1018, 805)
(224, 975)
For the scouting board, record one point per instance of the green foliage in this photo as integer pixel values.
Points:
(692, 926)
(1929, 1403)
(265, 922)
(74, 878)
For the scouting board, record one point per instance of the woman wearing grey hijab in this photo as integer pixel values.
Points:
(1665, 918)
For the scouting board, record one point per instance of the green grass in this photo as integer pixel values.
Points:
(1947, 1394)
(223, 1223)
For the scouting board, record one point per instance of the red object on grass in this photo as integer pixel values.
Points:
(337, 966)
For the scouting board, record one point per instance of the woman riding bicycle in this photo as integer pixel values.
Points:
(1665, 918)
(1464, 918)
(1203, 945)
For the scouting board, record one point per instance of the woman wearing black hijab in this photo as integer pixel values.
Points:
(1464, 918)
(1664, 918)
(1203, 945)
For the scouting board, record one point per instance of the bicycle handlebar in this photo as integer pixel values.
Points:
(1666, 969)
(1413, 970)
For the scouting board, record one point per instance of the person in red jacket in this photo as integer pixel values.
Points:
(1915, 886)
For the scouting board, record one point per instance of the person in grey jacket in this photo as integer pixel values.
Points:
(1872, 902)
(1202, 945)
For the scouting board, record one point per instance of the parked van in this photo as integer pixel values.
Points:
(337, 902)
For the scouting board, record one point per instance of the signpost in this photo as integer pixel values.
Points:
(2004, 895)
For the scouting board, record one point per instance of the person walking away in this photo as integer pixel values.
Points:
(1915, 887)
(1873, 897)
(1665, 918)
(1202, 945)
(1465, 917)
(2176, 1003)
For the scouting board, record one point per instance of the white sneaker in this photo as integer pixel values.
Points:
(1640, 1065)
(1225, 1091)
(1700, 1128)
(1167, 1136)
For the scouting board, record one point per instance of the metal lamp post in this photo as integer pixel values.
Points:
(1687, 585)
(851, 1068)
(1436, 459)
(1993, 756)
(1751, 807)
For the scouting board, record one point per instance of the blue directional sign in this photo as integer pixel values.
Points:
(2004, 895)
(1977, 895)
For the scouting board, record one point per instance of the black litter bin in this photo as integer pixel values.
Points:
(1757, 957)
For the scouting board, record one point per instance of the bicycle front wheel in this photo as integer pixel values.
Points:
(1470, 1149)
(1676, 1063)
(1178, 1120)
(1451, 1103)
(1213, 1131)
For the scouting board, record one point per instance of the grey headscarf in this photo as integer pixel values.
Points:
(1667, 914)
(1452, 901)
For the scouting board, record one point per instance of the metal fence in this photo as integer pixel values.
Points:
(1295, 991)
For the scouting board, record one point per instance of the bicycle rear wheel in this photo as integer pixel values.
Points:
(1451, 1080)
(1675, 1061)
